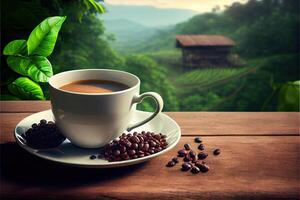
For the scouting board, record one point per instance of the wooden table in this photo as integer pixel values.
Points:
(260, 159)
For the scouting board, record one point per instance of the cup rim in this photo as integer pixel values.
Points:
(95, 94)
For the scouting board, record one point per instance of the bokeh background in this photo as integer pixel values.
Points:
(138, 36)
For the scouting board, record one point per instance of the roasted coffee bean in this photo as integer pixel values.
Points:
(198, 139)
(140, 145)
(186, 158)
(43, 121)
(151, 151)
(135, 139)
(128, 144)
(192, 154)
(217, 152)
(34, 125)
(195, 170)
(187, 147)
(131, 152)
(134, 146)
(186, 166)
(199, 163)
(157, 137)
(141, 139)
(116, 152)
(92, 157)
(175, 160)
(134, 157)
(146, 147)
(141, 155)
(147, 153)
(202, 155)
(201, 147)
(122, 149)
(152, 148)
(171, 163)
(204, 168)
(152, 143)
(181, 153)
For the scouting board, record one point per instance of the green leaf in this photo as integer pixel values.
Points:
(25, 88)
(38, 68)
(289, 96)
(15, 47)
(97, 6)
(42, 39)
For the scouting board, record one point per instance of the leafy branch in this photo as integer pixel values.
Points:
(29, 58)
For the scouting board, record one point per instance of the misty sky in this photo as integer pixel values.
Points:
(198, 5)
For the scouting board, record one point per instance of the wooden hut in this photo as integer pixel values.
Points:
(200, 51)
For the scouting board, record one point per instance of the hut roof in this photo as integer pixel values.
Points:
(203, 40)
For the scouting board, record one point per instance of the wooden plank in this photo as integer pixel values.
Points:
(203, 123)
(237, 123)
(24, 106)
(249, 167)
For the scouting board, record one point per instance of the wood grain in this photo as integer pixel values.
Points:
(24, 106)
(249, 167)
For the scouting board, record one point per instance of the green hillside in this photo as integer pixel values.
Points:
(259, 28)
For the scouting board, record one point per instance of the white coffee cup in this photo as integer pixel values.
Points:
(91, 120)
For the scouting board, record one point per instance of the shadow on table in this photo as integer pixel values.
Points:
(19, 166)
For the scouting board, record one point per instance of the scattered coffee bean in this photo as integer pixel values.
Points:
(92, 157)
(201, 147)
(192, 154)
(186, 158)
(191, 160)
(186, 166)
(195, 170)
(175, 160)
(202, 155)
(43, 135)
(198, 139)
(181, 153)
(187, 147)
(136, 145)
(171, 163)
(217, 152)
(204, 168)
(199, 163)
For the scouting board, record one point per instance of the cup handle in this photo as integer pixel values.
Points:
(159, 106)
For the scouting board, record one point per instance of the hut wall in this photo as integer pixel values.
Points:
(205, 56)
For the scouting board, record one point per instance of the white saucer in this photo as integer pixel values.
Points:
(69, 154)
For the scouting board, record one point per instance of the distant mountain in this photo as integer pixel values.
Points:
(128, 34)
(147, 15)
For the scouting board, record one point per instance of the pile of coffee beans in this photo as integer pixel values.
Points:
(132, 146)
(43, 135)
(191, 160)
